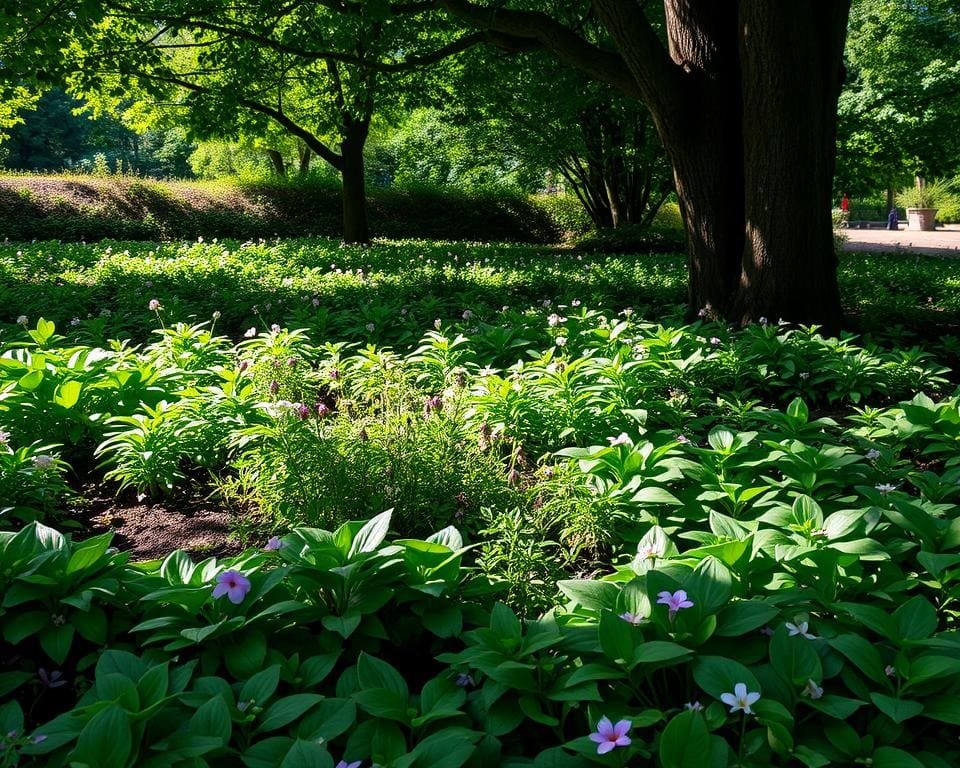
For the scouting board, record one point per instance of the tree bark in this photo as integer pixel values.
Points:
(279, 167)
(791, 55)
(306, 154)
(355, 226)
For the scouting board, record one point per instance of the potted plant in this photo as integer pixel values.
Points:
(923, 201)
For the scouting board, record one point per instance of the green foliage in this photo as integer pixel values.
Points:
(934, 194)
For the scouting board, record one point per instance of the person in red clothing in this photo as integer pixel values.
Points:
(845, 208)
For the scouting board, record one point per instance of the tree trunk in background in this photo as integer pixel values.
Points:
(279, 167)
(305, 156)
(355, 227)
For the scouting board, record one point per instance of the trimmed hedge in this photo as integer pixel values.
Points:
(127, 208)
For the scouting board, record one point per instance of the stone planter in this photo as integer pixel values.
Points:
(923, 219)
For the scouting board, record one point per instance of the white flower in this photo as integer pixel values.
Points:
(75, 322)
(23, 320)
(468, 314)
(740, 699)
(885, 488)
(889, 671)
(561, 341)
(872, 454)
(764, 322)
(632, 618)
(370, 327)
(693, 706)
(813, 690)
(249, 333)
(800, 629)
(622, 439)
(554, 320)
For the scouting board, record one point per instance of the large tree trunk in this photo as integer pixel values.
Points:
(355, 227)
(791, 55)
(306, 154)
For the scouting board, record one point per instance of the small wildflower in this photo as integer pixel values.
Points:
(291, 362)
(693, 706)
(622, 439)
(608, 736)
(4, 437)
(233, 584)
(249, 333)
(675, 602)
(43, 461)
(575, 303)
(547, 303)
(715, 341)
(872, 454)
(513, 477)
(154, 305)
(370, 327)
(682, 439)
(58, 619)
(217, 314)
(75, 322)
(561, 341)
(345, 764)
(51, 680)
(23, 320)
(764, 322)
(303, 411)
(467, 314)
(767, 631)
(801, 629)
(813, 690)
(244, 364)
(315, 301)
(274, 386)
(632, 618)
(273, 544)
(885, 488)
(554, 320)
(889, 671)
(464, 680)
(804, 375)
(323, 409)
(274, 328)
(437, 323)
(649, 552)
(432, 404)
(740, 699)
(333, 373)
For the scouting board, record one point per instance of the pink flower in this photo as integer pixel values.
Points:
(675, 602)
(154, 305)
(622, 439)
(233, 584)
(302, 411)
(609, 736)
(632, 618)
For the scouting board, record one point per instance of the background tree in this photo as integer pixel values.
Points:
(900, 108)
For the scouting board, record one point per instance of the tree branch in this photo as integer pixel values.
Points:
(600, 64)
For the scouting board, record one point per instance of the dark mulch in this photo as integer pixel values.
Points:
(152, 529)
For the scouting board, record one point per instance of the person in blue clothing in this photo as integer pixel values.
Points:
(892, 220)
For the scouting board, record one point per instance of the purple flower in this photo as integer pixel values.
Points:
(609, 736)
(52, 680)
(274, 387)
(682, 439)
(233, 584)
(302, 411)
(345, 764)
(273, 544)
(291, 362)
(632, 618)
(432, 404)
(154, 305)
(323, 409)
(315, 301)
(468, 314)
(334, 373)
(244, 364)
(872, 454)
(464, 680)
(675, 602)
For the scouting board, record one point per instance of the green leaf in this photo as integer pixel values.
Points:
(744, 616)
(284, 711)
(916, 619)
(590, 594)
(685, 742)
(30, 381)
(371, 535)
(891, 757)
(897, 710)
(376, 673)
(505, 623)
(105, 741)
(709, 586)
(56, 641)
(307, 754)
(658, 651)
(717, 675)
(68, 393)
(261, 686)
(794, 658)
(213, 719)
